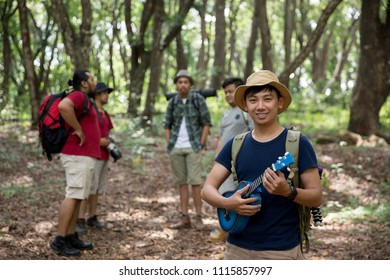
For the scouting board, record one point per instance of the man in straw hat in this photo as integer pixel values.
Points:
(272, 231)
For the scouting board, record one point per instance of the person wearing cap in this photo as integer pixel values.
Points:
(234, 121)
(272, 231)
(100, 173)
(187, 124)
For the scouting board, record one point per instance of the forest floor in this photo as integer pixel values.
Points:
(141, 202)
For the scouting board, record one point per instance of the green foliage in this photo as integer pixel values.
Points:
(9, 192)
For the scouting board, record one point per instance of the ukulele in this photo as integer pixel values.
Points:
(231, 221)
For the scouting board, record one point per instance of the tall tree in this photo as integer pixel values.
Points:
(219, 44)
(141, 53)
(155, 68)
(28, 62)
(289, 24)
(77, 42)
(266, 47)
(311, 44)
(202, 56)
(372, 86)
(7, 10)
(250, 51)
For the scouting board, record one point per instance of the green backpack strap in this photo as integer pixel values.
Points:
(236, 146)
(292, 146)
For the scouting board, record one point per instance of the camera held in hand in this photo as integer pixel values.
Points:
(208, 92)
(114, 151)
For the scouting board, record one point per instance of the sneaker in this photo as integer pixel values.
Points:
(198, 223)
(94, 222)
(80, 226)
(61, 245)
(75, 242)
(184, 222)
(218, 236)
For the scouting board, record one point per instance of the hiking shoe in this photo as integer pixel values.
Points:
(184, 222)
(218, 236)
(80, 226)
(94, 222)
(75, 242)
(198, 223)
(61, 245)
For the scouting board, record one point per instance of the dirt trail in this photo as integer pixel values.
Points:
(141, 202)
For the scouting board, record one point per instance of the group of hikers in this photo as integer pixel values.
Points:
(272, 218)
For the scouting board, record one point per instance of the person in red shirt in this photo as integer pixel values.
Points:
(101, 167)
(78, 157)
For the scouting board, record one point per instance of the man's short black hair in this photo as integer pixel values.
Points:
(78, 77)
(232, 80)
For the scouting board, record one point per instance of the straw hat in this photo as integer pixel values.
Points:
(261, 78)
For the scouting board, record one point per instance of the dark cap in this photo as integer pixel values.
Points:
(100, 86)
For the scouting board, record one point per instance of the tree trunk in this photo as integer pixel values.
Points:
(77, 45)
(266, 47)
(334, 81)
(6, 13)
(289, 23)
(232, 37)
(202, 59)
(155, 69)
(310, 46)
(320, 59)
(181, 59)
(250, 51)
(28, 62)
(140, 56)
(219, 44)
(373, 82)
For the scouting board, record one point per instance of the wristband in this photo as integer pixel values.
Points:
(293, 193)
(202, 146)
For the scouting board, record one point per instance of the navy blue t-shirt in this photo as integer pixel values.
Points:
(276, 226)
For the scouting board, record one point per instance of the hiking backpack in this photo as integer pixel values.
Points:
(194, 100)
(52, 131)
(305, 213)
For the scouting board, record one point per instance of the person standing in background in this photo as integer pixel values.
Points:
(187, 124)
(234, 121)
(101, 168)
(78, 157)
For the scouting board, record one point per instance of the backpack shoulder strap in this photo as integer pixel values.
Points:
(195, 99)
(85, 108)
(245, 117)
(292, 146)
(236, 146)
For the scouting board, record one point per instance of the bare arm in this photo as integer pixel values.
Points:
(310, 195)
(219, 146)
(205, 133)
(167, 134)
(68, 113)
(211, 195)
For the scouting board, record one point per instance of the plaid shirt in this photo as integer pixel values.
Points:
(197, 116)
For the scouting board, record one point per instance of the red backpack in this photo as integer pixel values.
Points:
(52, 131)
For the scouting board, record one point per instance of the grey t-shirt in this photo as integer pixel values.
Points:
(233, 122)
